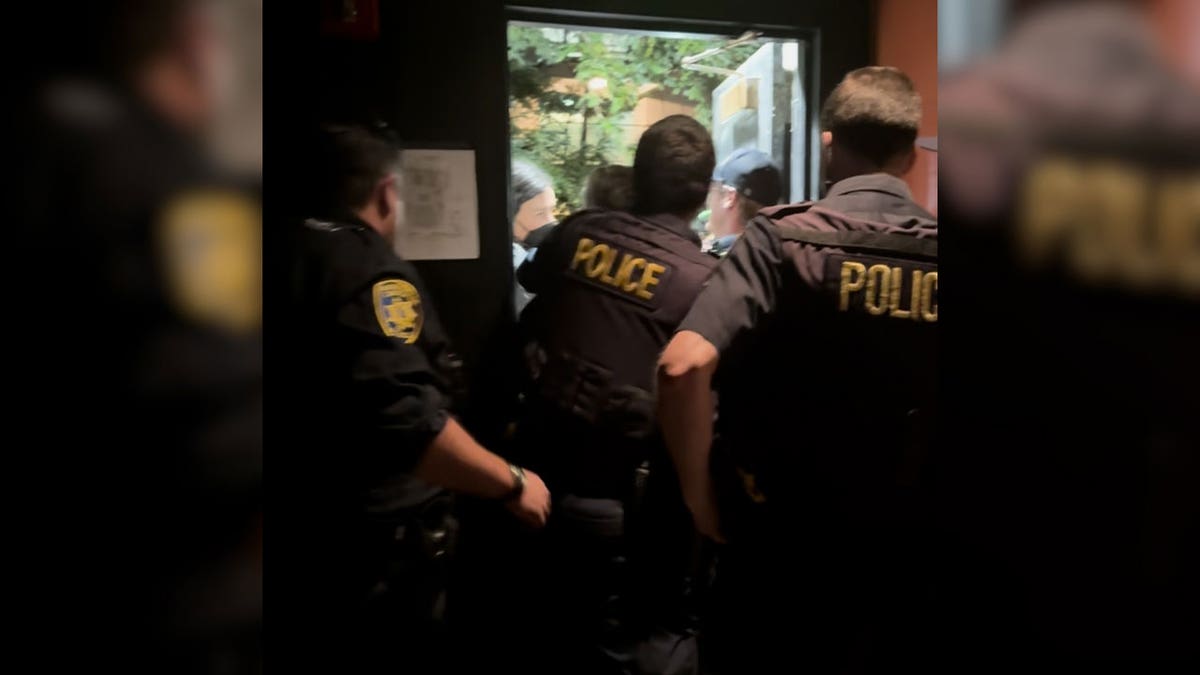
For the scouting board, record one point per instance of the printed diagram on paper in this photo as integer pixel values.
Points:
(441, 213)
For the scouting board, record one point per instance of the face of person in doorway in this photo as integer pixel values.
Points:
(722, 206)
(534, 213)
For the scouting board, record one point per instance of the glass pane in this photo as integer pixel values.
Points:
(580, 99)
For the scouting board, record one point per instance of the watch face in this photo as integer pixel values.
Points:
(518, 480)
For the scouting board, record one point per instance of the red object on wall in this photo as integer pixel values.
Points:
(1178, 25)
(354, 19)
(906, 37)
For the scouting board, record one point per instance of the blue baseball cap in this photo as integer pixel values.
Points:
(752, 173)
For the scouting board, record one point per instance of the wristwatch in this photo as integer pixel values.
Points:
(518, 487)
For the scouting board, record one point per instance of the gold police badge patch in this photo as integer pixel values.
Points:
(398, 309)
(209, 243)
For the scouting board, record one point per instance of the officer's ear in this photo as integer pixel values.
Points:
(729, 198)
(908, 160)
(384, 195)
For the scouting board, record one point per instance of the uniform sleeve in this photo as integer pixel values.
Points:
(536, 273)
(743, 288)
(394, 386)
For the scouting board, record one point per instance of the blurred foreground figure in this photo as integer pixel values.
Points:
(378, 381)
(1070, 164)
(149, 271)
(817, 332)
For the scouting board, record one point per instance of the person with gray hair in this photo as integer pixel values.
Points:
(533, 200)
(532, 217)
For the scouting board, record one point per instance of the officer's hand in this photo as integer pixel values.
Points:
(533, 506)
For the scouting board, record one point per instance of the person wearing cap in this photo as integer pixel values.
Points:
(816, 339)
(742, 185)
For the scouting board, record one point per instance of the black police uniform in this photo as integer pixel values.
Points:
(1070, 416)
(379, 384)
(610, 289)
(825, 383)
(153, 386)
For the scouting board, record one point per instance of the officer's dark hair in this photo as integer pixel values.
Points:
(348, 162)
(875, 112)
(672, 167)
(610, 187)
(528, 181)
(748, 208)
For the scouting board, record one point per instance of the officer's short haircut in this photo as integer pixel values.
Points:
(528, 181)
(875, 112)
(348, 162)
(672, 167)
(610, 187)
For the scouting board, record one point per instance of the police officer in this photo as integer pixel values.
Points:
(817, 332)
(745, 182)
(380, 383)
(611, 287)
(1046, 193)
(126, 212)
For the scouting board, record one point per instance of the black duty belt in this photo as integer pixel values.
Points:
(586, 391)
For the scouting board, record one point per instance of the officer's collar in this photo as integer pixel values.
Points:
(674, 223)
(871, 182)
(342, 220)
(720, 246)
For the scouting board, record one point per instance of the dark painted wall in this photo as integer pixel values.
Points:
(437, 73)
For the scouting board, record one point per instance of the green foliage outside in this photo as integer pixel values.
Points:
(576, 133)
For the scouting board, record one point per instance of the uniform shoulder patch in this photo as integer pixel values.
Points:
(209, 243)
(398, 309)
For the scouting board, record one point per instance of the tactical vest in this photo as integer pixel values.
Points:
(829, 408)
(622, 285)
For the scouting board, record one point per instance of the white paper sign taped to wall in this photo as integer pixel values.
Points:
(441, 208)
